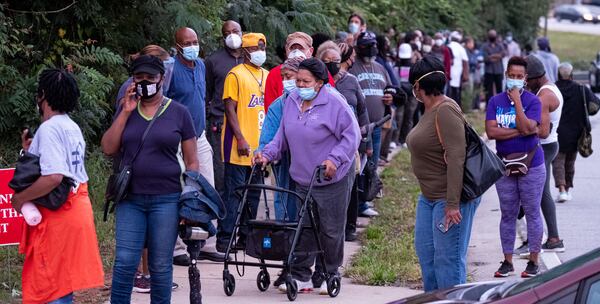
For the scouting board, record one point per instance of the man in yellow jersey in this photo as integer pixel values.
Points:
(244, 115)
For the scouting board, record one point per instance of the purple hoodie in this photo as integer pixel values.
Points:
(327, 130)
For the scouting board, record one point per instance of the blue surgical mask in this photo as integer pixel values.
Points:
(258, 58)
(307, 93)
(171, 60)
(191, 52)
(353, 27)
(289, 85)
(515, 83)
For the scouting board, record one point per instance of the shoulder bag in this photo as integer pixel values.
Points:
(118, 183)
(584, 143)
(483, 168)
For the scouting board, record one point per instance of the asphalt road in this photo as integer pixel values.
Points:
(568, 26)
(579, 219)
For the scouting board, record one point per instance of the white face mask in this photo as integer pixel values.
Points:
(439, 42)
(233, 41)
(353, 28)
(258, 57)
(296, 53)
(426, 48)
(419, 44)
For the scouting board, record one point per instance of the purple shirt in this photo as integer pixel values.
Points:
(503, 112)
(328, 130)
(156, 170)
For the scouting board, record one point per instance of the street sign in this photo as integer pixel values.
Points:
(11, 222)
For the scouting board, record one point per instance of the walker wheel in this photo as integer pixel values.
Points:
(263, 280)
(334, 285)
(228, 284)
(292, 290)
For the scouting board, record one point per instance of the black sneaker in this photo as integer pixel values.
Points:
(351, 236)
(531, 270)
(523, 250)
(181, 260)
(505, 270)
(280, 278)
(557, 246)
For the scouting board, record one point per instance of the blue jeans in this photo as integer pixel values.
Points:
(236, 176)
(150, 220)
(443, 256)
(68, 299)
(284, 202)
(376, 138)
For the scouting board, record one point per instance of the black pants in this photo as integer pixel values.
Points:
(455, 94)
(405, 119)
(352, 213)
(213, 135)
(489, 80)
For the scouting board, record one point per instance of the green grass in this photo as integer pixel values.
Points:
(388, 255)
(578, 49)
(477, 121)
(98, 169)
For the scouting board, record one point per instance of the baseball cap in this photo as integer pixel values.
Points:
(366, 37)
(405, 51)
(456, 35)
(147, 64)
(252, 39)
(543, 44)
(300, 38)
(535, 68)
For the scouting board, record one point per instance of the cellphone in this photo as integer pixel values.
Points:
(441, 225)
(29, 133)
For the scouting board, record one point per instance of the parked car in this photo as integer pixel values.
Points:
(576, 281)
(577, 13)
(594, 74)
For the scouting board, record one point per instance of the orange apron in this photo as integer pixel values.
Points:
(61, 253)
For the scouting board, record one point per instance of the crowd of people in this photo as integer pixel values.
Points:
(223, 114)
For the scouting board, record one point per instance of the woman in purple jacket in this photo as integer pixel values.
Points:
(318, 128)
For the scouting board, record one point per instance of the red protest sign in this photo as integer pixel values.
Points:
(11, 222)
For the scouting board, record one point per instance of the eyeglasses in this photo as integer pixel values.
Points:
(186, 44)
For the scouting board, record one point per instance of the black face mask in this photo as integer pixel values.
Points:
(367, 52)
(333, 68)
(147, 89)
(492, 39)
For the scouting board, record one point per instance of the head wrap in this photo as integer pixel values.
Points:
(252, 39)
(292, 64)
(315, 67)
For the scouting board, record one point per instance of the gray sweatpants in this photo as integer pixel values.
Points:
(331, 204)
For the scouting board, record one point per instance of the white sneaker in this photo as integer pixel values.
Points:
(404, 146)
(370, 204)
(370, 212)
(569, 197)
(323, 290)
(302, 286)
(393, 145)
(563, 197)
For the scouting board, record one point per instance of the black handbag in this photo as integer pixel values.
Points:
(369, 183)
(27, 171)
(118, 183)
(584, 143)
(483, 168)
(270, 239)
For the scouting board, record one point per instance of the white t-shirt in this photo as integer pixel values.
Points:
(554, 116)
(459, 55)
(60, 145)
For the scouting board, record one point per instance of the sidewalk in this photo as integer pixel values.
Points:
(247, 292)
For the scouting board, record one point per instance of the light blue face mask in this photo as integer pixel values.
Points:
(515, 83)
(353, 27)
(307, 93)
(191, 52)
(289, 85)
(171, 60)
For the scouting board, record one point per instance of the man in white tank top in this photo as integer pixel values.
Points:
(552, 102)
